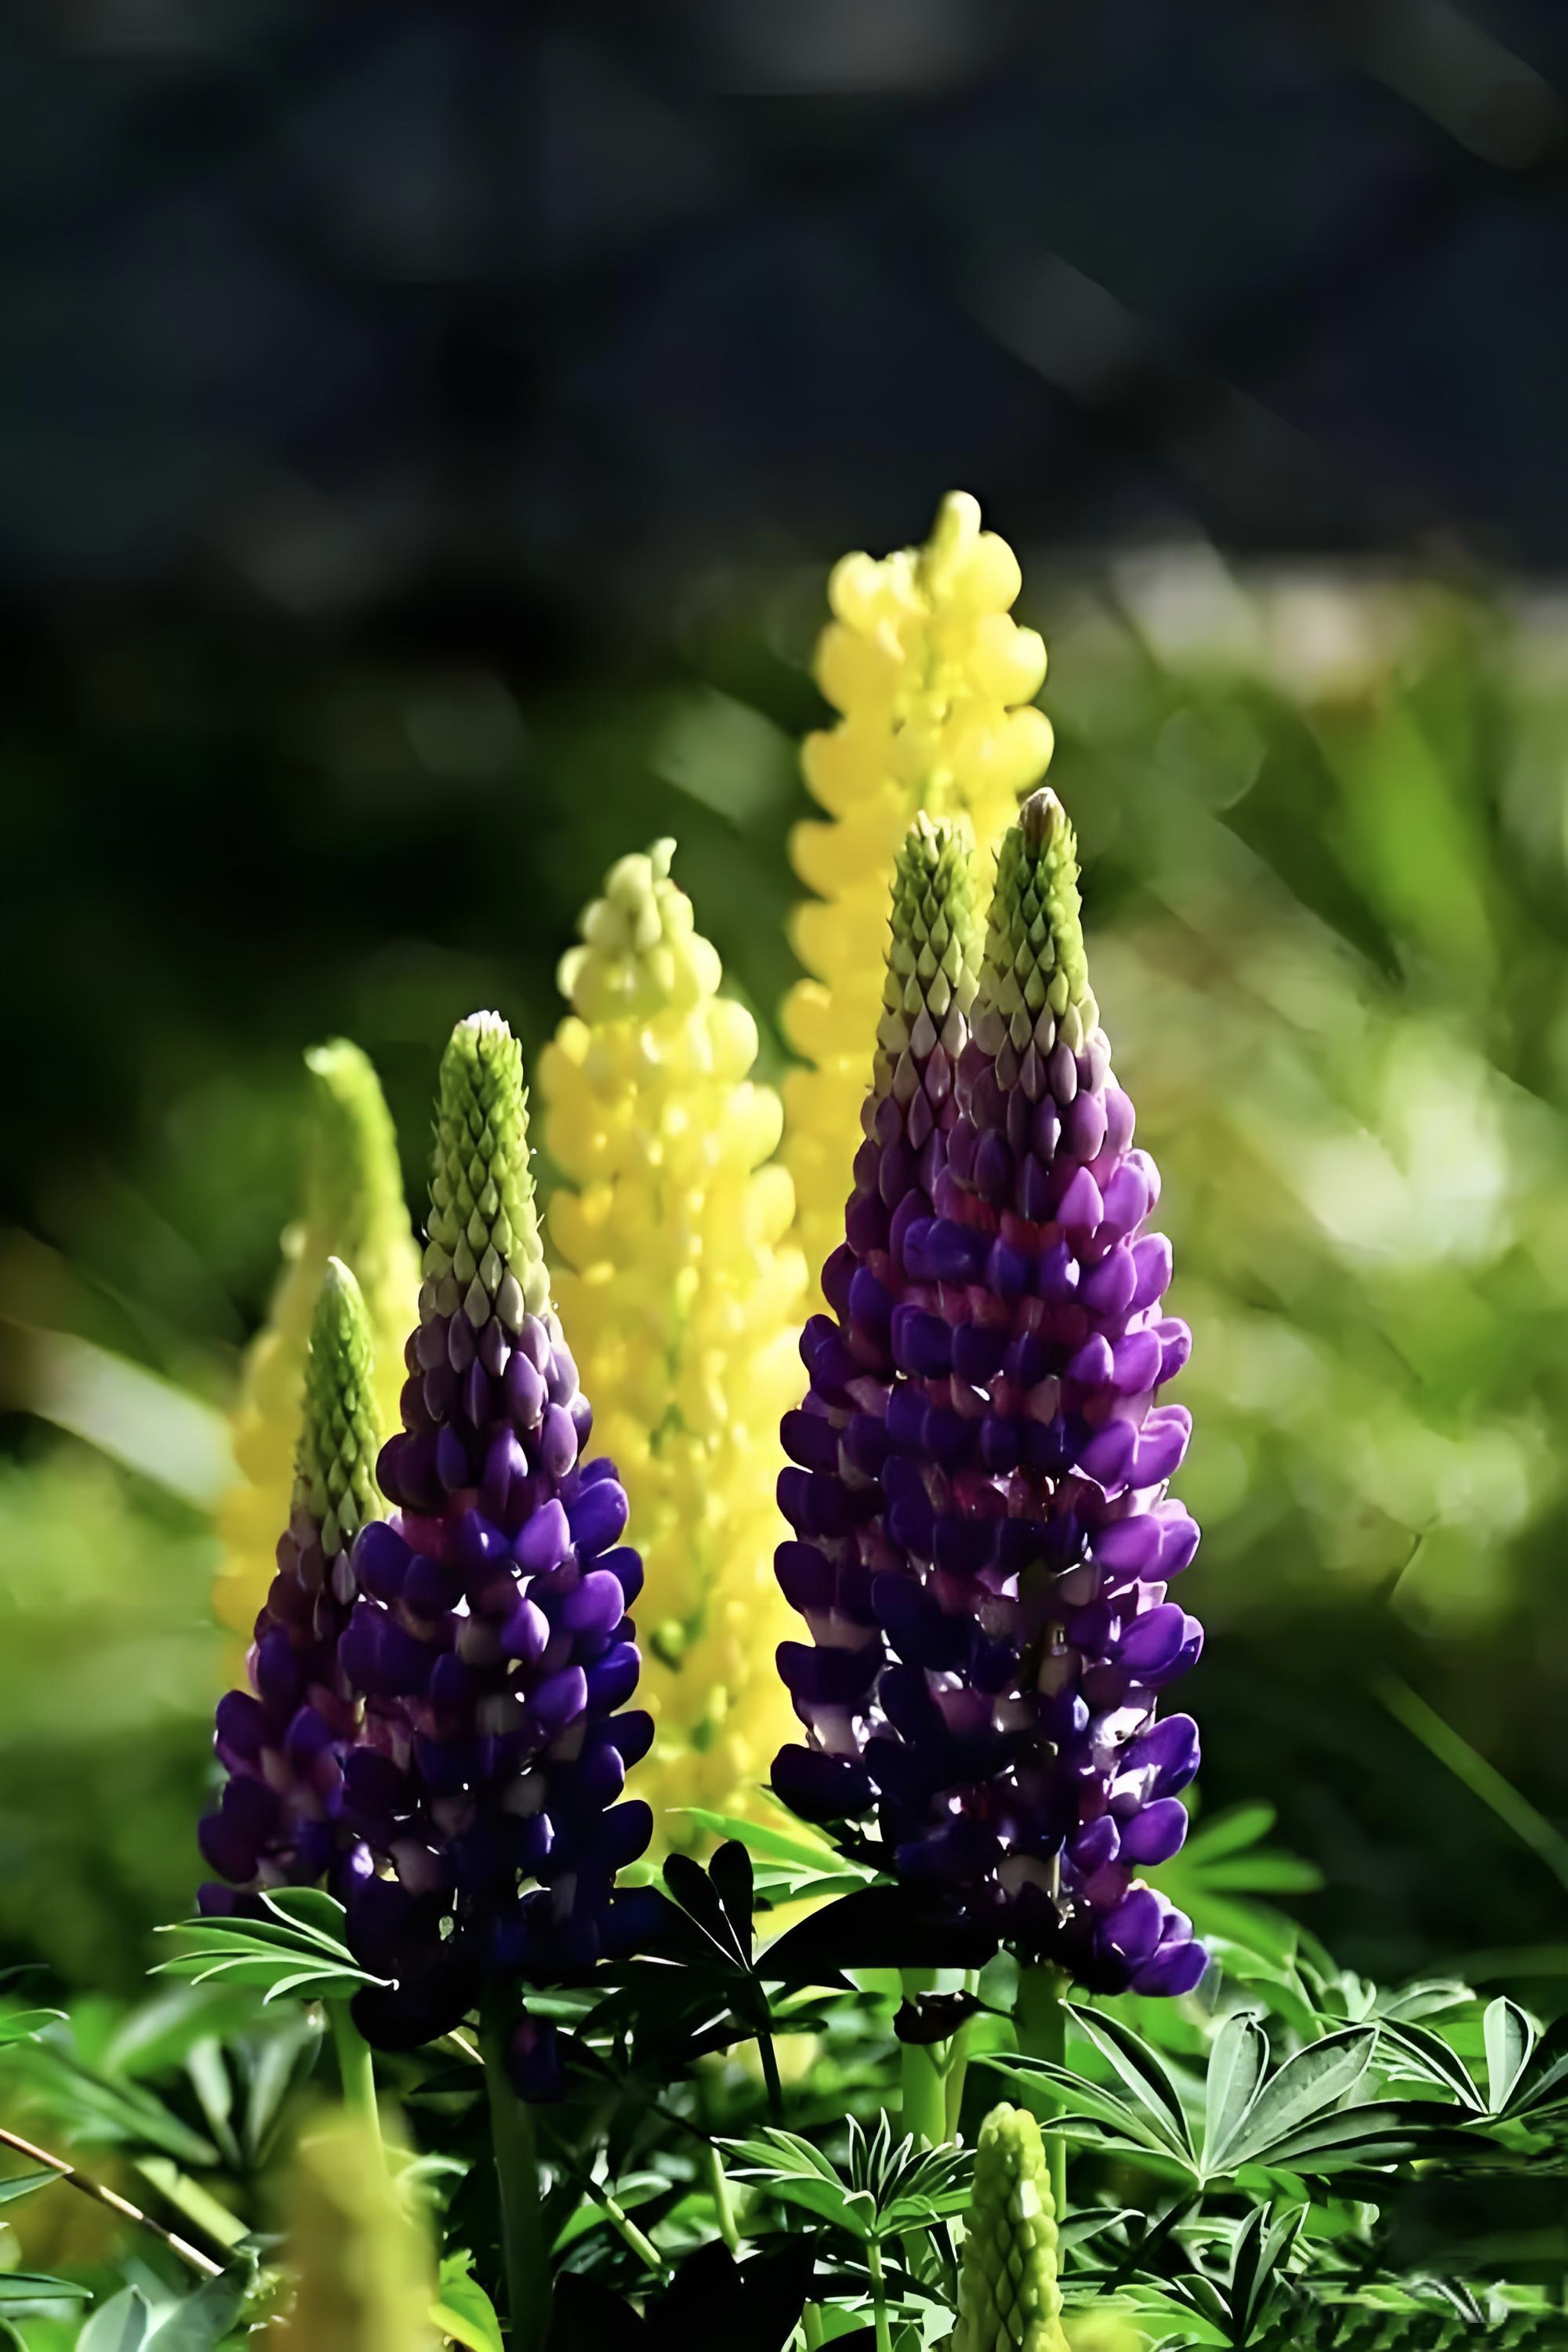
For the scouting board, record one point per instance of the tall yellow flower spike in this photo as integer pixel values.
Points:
(935, 683)
(363, 2277)
(682, 1293)
(354, 1210)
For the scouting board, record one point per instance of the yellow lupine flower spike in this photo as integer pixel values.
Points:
(363, 2277)
(934, 681)
(681, 1290)
(353, 1209)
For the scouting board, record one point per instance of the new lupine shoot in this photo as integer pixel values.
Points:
(1008, 2295)
(935, 683)
(353, 1209)
(983, 1538)
(681, 1291)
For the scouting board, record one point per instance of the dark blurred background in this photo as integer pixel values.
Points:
(424, 436)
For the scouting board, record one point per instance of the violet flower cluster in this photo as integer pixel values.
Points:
(281, 1743)
(488, 1645)
(984, 1539)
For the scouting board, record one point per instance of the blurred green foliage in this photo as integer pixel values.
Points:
(1325, 827)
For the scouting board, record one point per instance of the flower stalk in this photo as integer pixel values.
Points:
(525, 2248)
(984, 1539)
(934, 685)
(681, 1289)
(489, 1641)
(282, 1741)
(353, 1209)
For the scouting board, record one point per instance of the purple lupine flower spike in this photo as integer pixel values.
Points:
(281, 1742)
(1010, 1735)
(491, 1641)
(846, 1572)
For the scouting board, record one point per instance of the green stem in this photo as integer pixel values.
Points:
(723, 2207)
(1041, 2018)
(769, 2057)
(811, 2319)
(523, 2243)
(922, 2072)
(356, 2068)
(621, 2221)
(957, 2073)
(879, 2297)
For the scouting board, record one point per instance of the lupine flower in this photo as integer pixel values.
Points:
(683, 1294)
(354, 1208)
(935, 682)
(281, 1741)
(833, 1498)
(363, 2277)
(1016, 1545)
(1009, 2296)
(491, 1639)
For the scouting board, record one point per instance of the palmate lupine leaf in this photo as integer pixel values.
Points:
(886, 2188)
(298, 1950)
(1524, 2073)
(1257, 2289)
(1302, 2117)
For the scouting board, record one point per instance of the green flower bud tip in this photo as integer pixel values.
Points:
(1008, 2298)
(352, 1180)
(641, 953)
(340, 1438)
(1033, 981)
(484, 1249)
(934, 949)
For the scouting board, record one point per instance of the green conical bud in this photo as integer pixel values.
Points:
(484, 1251)
(1033, 981)
(933, 952)
(341, 1436)
(1008, 2299)
(352, 1207)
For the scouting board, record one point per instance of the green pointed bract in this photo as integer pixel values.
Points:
(932, 953)
(340, 1438)
(1009, 2297)
(1033, 981)
(484, 1251)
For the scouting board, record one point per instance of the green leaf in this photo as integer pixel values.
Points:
(781, 2152)
(1262, 2248)
(1236, 2068)
(1435, 2061)
(311, 1911)
(462, 2309)
(37, 2286)
(195, 2202)
(200, 2321)
(773, 1845)
(26, 2024)
(1080, 2098)
(1377, 2133)
(631, 2189)
(854, 2211)
(119, 2325)
(1141, 2068)
(1230, 1832)
(1508, 2038)
(26, 2184)
(1314, 2079)
(1262, 1873)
